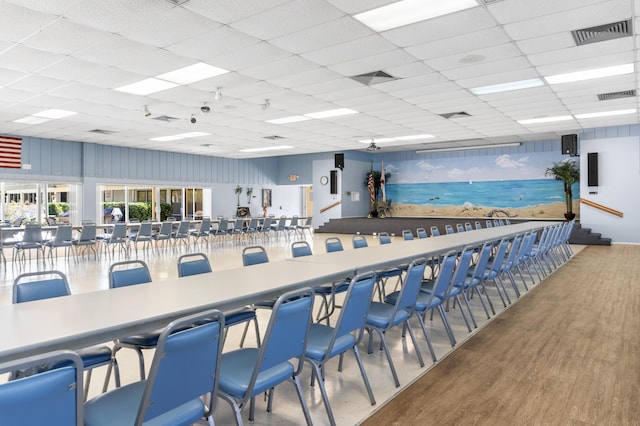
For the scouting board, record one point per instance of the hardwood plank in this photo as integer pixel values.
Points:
(567, 353)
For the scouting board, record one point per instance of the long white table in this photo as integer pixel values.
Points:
(88, 318)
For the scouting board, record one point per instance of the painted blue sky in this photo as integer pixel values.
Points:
(478, 168)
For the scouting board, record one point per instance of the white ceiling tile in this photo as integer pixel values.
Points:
(267, 71)
(484, 56)
(348, 51)
(587, 51)
(463, 73)
(222, 40)
(24, 59)
(464, 45)
(250, 56)
(373, 63)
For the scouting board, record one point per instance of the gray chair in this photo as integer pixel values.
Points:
(62, 238)
(87, 240)
(143, 235)
(31, 240)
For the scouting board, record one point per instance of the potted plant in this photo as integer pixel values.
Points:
(569, 173)
(238, 193)
(249, 194)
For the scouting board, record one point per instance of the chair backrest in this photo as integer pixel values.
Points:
(286, 335)
(238, 224)
(359, 241)
(205, 225)
(445, 274)
(484, 256)
(498, 258)
(129, 272)
(468, 227)
(355, 306)
(52, 397)
(294, 221)
(282, 222)
(32, 233)
(422, 233)
(40, 285)
(307, 223)
(300, 248)
(253, 224)
(223, 226)
(411, 286)
(496, 222)
(88, 232)
(384, 238)
(332, 244)
(478, 225)
(266, 225)
(459, 227)
(462, 269)
(18, 221)
(119, 232)
(185, 365)
(449, 229)
(144, 229)
(183, 228)
(254, 255)
(193, 264)
(489, 223)
(407, 235)
(64, 233)
(434, 231)
(165, 228)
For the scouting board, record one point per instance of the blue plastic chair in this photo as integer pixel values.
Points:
(184, 369)
(407, 235)
(435, 232)
(51, 397)
(359, 241)
(198, 263)
(333, 244)
(300, 249)
(163, 235)
(383, 316)
(248, 372)
(33, 286)
(384, 238)
(326, 342)
(391, 272)
(123, 274)
(422, 233)
(254, 255)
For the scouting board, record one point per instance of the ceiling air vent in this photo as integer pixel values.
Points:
(165, 118)
(177, 2)
(102, 131)
(375, 77)
(617, 95)
(603, 32)
(273, 138)
(459, 114)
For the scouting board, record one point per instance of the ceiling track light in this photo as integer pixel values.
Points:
(266, 104)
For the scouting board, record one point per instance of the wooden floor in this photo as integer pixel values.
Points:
(566, 354)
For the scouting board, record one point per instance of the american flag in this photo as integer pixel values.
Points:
(10, 152)
(371, 188)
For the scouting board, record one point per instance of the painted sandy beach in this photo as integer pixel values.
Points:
(543, 211)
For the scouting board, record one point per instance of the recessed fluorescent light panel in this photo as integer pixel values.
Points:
(192, 73)
(546, 119)
(147, 87)
(331, 113)
(398, 138)
(54, 113)
(590, 74)
(606, 113)
(32, 120)
(507, 87)
(410, 11)
(179, 136)
(266, 148)
(287, 120)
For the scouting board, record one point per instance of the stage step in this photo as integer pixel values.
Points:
(585, 236)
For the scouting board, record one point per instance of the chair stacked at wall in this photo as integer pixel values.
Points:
(382, 316)
(123, 274)
(248, 372)
(117, 237)
(184, 371)
(326, 342)
(181, 235)
(202, 233)
(31, 240)
(87, 241)
(62, 238)
(198, 263)
(144, 236)
(33, 286)
(52, 397)
(163, 235)
(326, 292)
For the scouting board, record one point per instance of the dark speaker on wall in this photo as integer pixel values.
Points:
(570, 145)
(338, 159)
(334, 181)
(592, 169)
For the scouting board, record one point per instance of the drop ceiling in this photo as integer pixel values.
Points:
(296, 57)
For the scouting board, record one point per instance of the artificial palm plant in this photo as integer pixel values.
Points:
(568, 172)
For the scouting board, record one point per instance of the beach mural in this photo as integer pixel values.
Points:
(507, 184)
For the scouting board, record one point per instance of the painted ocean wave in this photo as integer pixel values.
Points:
(499, 194)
